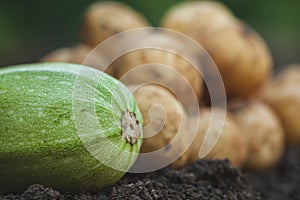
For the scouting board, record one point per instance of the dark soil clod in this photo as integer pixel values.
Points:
(204, 179)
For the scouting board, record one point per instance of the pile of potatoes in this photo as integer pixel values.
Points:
(261, 114)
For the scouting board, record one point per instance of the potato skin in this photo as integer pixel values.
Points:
(230, 145)
(239, 52)
(241, 56)
(289, 74)
(63, 54)
(76, 54)
(190, 17)
(106, 18)
(283, 94)
(185, 81)
(263, 130)
(80, 54)
(163, 119)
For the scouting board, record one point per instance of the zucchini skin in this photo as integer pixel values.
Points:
(39, 137)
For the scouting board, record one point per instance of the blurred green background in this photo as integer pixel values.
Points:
(30, 29)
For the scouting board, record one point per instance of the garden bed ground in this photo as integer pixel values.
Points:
(200, 180)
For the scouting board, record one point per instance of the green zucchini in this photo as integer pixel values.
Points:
(66, 126)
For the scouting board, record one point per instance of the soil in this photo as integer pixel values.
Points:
(283, 181)
(204, 179)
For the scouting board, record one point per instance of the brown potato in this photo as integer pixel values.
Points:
(290, 73)
(240, 54)
(80, 54)
(163, 119)
(106, 18)
(59, 55)
(283, 95)
(263, 131)
(176, 73)
(75, 54)
(231, 144)
(196, 17)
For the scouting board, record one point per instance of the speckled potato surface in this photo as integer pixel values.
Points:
(231, 144)
(283, 95)
(289, 74)
(194, 17)
(162, 67)
(163, 119)
(80, 54)
(63, 54)
(263, 131)
(104, 19)
(239, 52)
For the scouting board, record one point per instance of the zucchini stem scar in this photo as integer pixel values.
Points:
(130, 127)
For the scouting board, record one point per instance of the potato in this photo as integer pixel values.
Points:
(106, 18)
(196, 17)
(240, 54)
(263, 131)
(283, 95)
(177, 73)
(289, 73)
(231, 144)
(163, 118)
(59, 55)
(80, 54)
(75, 54)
